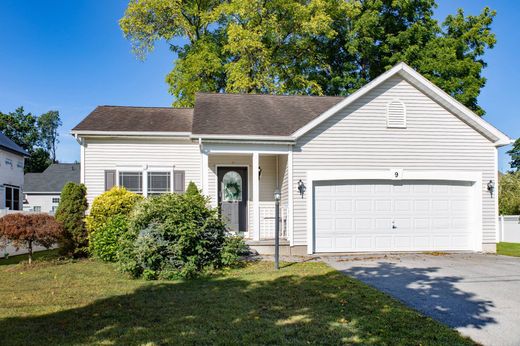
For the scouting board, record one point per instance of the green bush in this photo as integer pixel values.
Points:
(117, 201)
(172, 236)
(233, 250)
(105, 241)
(192, 189)
(71, 214)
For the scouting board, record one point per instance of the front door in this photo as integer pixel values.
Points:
(232, 197)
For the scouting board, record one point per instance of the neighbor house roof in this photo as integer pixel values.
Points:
(53, 178)
(145, 119)
(256, 114)
(8, 144)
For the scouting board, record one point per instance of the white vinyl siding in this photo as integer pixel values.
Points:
(357, 138)
(145, 154)
(42, 200)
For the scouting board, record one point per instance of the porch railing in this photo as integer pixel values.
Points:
(267, 222)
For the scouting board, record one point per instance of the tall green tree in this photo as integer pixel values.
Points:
(48, 124)
(321, 47)
(37, 135)
(38, 161)
(21, 127)
(515, 156)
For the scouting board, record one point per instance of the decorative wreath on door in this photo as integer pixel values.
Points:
(232, 187)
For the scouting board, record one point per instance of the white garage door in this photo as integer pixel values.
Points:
(367, 215)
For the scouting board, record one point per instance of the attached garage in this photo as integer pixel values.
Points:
(365, 215)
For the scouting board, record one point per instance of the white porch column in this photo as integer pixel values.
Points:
(256, 197)
(205, 173)
(290, 188)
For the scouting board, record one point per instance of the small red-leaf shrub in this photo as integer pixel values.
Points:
(27, 230)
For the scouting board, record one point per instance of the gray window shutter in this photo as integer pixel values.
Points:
(110, 179)
(178, 181)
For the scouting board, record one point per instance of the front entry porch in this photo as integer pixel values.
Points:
(242, 185)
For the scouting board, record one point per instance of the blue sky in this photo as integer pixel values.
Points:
(71, 56)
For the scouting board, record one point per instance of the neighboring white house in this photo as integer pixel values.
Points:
(398, 165)
(11, 173)
(42, 190)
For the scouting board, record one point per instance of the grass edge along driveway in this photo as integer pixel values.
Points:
(508, 249)
(89, 302)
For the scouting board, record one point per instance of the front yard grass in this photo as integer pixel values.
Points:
(508, 249)
(89, 302)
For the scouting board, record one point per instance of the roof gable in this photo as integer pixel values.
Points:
(8, 144)
(427, 87)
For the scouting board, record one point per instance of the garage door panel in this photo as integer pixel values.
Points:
(358, 216)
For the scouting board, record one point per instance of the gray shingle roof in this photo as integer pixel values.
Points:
(9, 145)
(215, 114)
(53, 178)
(256, 114)
(123, 118)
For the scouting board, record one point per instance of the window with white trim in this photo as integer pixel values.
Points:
(159, 182)
(132, 181)
(396, 114)
(37, 208)
(55, 200)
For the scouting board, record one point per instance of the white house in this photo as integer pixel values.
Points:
(42, 190)
(397, 166)
(11, 173)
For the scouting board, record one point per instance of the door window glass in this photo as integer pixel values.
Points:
(232, 187)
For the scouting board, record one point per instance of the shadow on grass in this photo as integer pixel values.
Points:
(325, 309)
(436, 296)
(44, 255)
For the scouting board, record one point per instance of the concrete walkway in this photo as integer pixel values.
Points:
(479, 295)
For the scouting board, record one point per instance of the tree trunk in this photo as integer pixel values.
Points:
(29, 247)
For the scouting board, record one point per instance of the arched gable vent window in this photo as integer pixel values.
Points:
(396, 114)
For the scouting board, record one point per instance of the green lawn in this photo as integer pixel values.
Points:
(88, 302)
(508, 249)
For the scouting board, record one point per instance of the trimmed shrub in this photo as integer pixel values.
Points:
(172, 236)
(105, 241)
(192, 189)
(71, 214)
(107, 222)
(28, 230)
(117, 201)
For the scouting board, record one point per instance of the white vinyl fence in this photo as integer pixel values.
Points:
(509, 228)
(11, 250)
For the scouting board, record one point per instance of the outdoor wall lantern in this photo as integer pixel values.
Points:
(259, 172)
(301, 187)
(491, 187)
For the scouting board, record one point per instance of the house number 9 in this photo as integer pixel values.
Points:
(397, 173)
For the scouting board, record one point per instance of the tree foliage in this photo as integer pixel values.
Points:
(38, 161)
(37, 135)
(71, 214)
(48, 124)
(515, 155)
(509, 194)
(318, 47)
(28, 230)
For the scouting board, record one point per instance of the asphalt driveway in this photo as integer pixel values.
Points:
(479, 295)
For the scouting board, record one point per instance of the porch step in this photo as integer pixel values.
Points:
(266, 242)
(266, 247)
